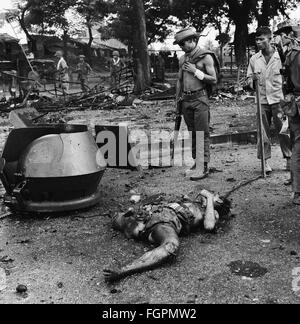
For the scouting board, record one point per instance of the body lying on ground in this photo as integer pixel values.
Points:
(161, 224)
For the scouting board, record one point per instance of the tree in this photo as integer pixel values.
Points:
(130, 23)
(141, 46)
(93, 12)
(240, 12)
(223, 40)
(25, 8)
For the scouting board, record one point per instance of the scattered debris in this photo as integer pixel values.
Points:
(247, 269)
(60, 285)
(4, 215)
(6, 259)
(271, 301)
(2, 279)
(135, 199)
(168, 94)
(266, 241)
(21, 289)
(27, 241)
(231, 180)
(192, 299)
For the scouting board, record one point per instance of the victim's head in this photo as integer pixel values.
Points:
(128, 224)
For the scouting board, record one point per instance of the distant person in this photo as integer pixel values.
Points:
(152, 62)
(83, 69)
(62, 72)
(116, 66)
(175, 62)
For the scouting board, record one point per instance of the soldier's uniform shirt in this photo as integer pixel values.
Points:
(293, 65)
(83, 70)
(175, 215)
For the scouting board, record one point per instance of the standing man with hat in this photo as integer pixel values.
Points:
(289, 34)
(196, 72)
(62, 71)
(83, 69)
(116, 66)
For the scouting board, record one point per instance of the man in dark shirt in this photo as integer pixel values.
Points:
(289, 35)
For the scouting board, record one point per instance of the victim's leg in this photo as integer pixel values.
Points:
(166, 238)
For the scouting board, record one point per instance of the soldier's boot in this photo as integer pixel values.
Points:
(198, 173)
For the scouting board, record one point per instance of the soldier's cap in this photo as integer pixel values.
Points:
(186, 33)
(81, 56)
(287, 27)
(116, 53)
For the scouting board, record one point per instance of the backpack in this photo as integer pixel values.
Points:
(212, 88)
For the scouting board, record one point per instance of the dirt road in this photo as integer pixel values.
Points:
(61, 259)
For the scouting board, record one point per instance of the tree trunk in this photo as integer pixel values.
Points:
(90, 43)
(239, 13)
(24, 28)
(65, 44)
(240, 40)
(221, 55)
(141, 47)
(263, 19)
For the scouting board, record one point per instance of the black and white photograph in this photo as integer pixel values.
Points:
(149, 155)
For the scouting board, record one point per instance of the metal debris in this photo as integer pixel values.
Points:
(247, 269)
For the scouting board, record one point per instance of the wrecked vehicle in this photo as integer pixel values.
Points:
(51, 168)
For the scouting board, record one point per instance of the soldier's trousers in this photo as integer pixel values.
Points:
(295, 166)
(271, 112)
(196, 113)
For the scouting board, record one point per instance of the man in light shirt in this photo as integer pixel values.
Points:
(265, 67)
(62, 71)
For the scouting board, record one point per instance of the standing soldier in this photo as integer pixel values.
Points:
(289, 35)
(196, 72)
(83, 69)
(265, 67)
(62, 71)
(116, 66)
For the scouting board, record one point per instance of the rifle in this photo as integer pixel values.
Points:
(260, 128)
(178, 121)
